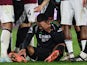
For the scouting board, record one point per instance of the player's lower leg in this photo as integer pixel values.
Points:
(83, 36)
(5, 40)
(83, 53)
(21, 34)
(68, 41)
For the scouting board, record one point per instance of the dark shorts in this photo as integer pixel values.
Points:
(41, 54)
(18, 9)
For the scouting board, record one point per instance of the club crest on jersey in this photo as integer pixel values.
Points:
(44, 38)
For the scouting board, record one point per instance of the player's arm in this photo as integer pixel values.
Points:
(40, 7)
(28, 38)
(26, 42)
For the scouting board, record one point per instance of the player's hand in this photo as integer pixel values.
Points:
(38, 8)
(84, 3)
(22, 52)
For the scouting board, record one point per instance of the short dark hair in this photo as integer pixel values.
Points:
(42, 17)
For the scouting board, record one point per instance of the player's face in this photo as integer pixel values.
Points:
(44, 25)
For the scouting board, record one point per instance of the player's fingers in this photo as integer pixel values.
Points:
(36, 9)
(20, 53)
(25, 55)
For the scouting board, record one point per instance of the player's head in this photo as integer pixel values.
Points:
(42, 19)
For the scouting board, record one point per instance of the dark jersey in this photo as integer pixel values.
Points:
(45, 39)
(5, 2)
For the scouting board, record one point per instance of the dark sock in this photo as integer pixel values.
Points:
(21, 34)
(85, 50)
(9, 48)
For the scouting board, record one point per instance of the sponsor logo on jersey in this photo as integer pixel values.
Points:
(44, 38)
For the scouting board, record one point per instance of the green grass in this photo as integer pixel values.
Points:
(45, 63)
(76, 52)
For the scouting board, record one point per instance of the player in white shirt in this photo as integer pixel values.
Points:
(70, 9)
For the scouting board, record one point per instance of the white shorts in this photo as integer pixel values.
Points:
(70, 9)
(6, 13)
(85, 16)
(29, 9)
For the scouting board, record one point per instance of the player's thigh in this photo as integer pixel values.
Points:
(29, 8)
(7, 14)
(66, 13)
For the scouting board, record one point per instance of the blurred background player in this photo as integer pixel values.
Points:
(67, 13)
(6, 19)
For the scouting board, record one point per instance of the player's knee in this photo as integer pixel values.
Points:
(7, 26)
(84, 32)
(30, 50)
(67, 33)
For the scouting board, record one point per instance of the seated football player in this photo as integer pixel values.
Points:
(50, 41)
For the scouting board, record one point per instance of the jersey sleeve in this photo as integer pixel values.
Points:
(57, 35)
(28, 38)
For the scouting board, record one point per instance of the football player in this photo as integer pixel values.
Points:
(70, 9)
(6, 19)
(83, 54)
(50, 41)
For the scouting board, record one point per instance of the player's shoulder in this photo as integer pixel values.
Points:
(55, 24)
(34, 27)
